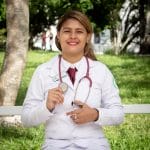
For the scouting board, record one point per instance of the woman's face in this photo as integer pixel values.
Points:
(73, 37)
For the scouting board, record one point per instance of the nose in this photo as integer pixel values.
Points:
(73, 35)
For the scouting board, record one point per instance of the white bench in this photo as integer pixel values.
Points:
(129, 109)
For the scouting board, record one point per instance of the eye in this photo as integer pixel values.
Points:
(66, 31)
(80, 31)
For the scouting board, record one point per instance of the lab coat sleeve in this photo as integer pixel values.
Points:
(111, 111)
(34, 110)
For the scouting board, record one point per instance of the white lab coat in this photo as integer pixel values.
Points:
(60, 130)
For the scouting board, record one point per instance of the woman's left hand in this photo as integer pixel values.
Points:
(83, 114)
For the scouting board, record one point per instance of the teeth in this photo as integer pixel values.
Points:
(72, 43)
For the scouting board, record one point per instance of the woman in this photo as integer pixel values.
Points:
(73, 110)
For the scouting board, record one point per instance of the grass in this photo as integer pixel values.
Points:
(19, 138)
(132, 74)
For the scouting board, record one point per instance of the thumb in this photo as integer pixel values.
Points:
(80, 104)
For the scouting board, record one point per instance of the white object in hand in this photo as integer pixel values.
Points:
(63, 86)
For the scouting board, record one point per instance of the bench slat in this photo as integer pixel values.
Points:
(128, 109)
(10, 110)
(137, 108)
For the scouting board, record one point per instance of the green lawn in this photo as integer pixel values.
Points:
(132, 74)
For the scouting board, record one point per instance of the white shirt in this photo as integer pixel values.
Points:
(104, 95)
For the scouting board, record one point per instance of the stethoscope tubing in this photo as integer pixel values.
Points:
(84, 77)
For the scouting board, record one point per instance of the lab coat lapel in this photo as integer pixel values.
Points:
(53, 69)
(54, 72)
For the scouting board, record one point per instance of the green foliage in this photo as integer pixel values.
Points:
(2, 14)
(105, 13)
(42, 14)
(2, 9)
(45, 12)
(2, 38)
(20, 138)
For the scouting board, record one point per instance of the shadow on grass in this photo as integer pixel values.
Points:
(13, 132)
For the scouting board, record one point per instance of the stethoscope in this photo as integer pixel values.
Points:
(64, 86)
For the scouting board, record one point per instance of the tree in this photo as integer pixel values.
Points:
(130, 24)
(102, 12)
(144, 11)
(133, 27)
(17, 20)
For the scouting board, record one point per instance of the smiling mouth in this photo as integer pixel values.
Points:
(72, 43)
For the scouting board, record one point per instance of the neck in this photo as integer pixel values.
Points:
(72, 58)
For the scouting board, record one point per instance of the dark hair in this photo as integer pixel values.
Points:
(83, 19)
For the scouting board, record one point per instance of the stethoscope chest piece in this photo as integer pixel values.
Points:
(63, 86)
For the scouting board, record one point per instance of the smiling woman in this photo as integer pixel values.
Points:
(73, 117)
(73, 38)
(76, 25)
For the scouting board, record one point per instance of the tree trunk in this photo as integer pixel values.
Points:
(142, 22)
(145, 37)
(130, 25)
(116, 39)
(17, 17)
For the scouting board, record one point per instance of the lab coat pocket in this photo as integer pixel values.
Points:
(59, 126)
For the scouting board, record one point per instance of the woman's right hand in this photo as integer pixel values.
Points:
(55, 97)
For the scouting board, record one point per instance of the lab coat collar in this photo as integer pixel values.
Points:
(53, 65)
(65, 66)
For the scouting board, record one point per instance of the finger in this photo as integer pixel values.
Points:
(79, 103)
(77, 111)
(60, 90)
(58, 98)
(75, 118)
(69, 113)
(77, 121)
(55, 98)
(58, 93)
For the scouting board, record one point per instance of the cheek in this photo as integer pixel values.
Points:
(84, 42)
(85, 39)
(62, 41)
(63, 38)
